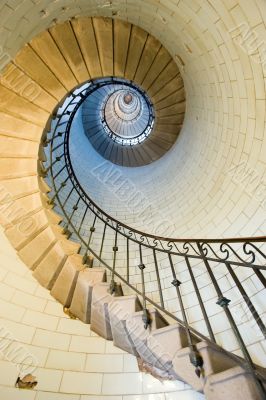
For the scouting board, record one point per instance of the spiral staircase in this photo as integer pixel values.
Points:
(59, 232)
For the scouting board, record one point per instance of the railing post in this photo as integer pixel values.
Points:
(92, 229)
(145, 317)
(66, 231)
(203, 310)
(115, 250)
(194, 355)
(224, 303)
(158, 278)
(57, 191)
(247, 300)
(102, 242)
(127, 260)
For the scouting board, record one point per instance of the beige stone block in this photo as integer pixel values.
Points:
(66, 361)
(82, 383)
(101, 397)
(104, 363)
(28, 301)
(56, 396)
(95, 345)
(9, 373)
(54, 308)
(49, 339)
(40, 320)
(153, 385)
(6, 292)
(73, 327)
(10, 393)
(3, 273)
(184, 395)
(22, 333)
(11, 311)
(122, 384)
(49, 380)
(130, 363)
(145, 397)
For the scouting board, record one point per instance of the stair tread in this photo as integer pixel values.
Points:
(82, 297)
(120, 309)
(100, 320)
(232, 383)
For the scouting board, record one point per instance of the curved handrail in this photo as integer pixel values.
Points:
(185, 249)
(154, 237)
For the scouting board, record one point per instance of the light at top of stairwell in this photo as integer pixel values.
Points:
(127, 113)
(128, 98)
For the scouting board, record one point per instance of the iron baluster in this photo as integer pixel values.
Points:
(83, 218)
(223, 251)
(203, 310)
(92, 229)
(146, 316)
(158, 278)
(68, 196)
(194, 355)
(80, 226)
(58, 146)
(59, 172)
(57, 191)
(115, 250)
(66, 227)
(127, 259)
(224, 303)
(247, 300)
(260, 276)
(102, 243)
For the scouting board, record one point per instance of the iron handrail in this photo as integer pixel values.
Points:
(200, 247)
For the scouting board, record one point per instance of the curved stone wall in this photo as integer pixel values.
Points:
(69, 361)
(217, 168)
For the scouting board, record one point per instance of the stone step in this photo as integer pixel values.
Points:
(82, 297)
(38, 247)
(164, 343)
(19, 210)
(138, 335)
(120, 309)
(24, 232)
(100, 320)
(215, 360)
(18, 187)
(49, 268)
(11, 147)
(234, 384)
(64, 286)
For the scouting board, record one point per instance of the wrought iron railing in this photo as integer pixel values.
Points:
(146, 258)
(140, 136)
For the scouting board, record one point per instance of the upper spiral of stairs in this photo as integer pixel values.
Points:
(65, 57)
